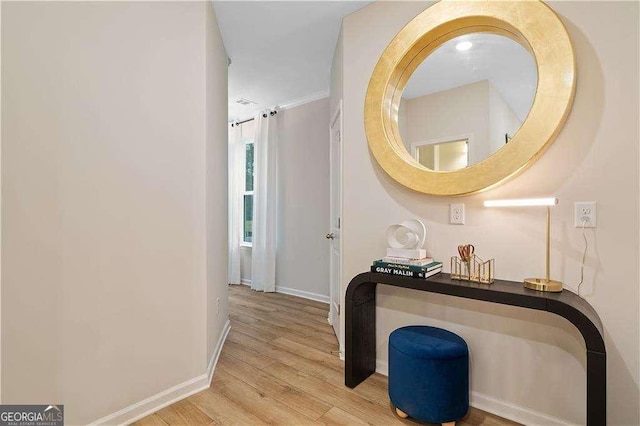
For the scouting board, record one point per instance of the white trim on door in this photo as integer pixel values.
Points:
(334, 309)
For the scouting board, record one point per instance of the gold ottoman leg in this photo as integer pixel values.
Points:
(401, 413)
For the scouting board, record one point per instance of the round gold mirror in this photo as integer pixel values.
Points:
(468, 94)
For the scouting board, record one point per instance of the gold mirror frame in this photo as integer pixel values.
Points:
(531, 23)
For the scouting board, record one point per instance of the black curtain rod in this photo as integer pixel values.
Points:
(240, 122)
(237, 123)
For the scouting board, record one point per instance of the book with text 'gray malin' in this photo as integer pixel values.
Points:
(405, 272)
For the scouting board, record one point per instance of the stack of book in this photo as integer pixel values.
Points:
(413, 268)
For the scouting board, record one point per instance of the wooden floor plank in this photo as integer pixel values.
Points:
(284, 319)
(340, 397)
(257, 402)
(314, 355)
(295, 361)
(317, 315)
(259, 333)
(222, 410)
(289, 304)
(338, 417)
(320, 326)
(277, 297)
(378, 380)
(246, 354)
(256, 316)
(478, 417)
(278, 366)
(299, 401)
(320, 312)
(151, 420)
(318, 340)
(184, 413)
(366, 389)
(242, 301)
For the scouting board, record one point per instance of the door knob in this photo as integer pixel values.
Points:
(330, 236)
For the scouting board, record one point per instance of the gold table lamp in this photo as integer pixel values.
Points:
(540, 284)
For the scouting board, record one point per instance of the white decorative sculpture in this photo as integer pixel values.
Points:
(406, 239)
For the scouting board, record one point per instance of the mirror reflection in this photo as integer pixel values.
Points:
(444, 156)
(466, 100)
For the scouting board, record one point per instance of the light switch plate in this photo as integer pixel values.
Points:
(456, 214)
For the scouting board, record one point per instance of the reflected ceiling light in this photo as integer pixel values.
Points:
(464, 45)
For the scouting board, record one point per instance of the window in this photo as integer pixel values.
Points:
(243, 171)
(247, 223)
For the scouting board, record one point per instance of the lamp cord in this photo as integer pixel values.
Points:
(584, 255)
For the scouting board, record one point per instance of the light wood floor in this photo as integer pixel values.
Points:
(279, 366)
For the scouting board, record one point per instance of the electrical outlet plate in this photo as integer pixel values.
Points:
(456, 214)
(585, 211)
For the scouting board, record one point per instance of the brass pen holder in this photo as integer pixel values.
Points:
(474, 269)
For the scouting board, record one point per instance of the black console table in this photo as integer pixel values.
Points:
(360, 324)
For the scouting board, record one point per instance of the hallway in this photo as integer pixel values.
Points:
(277, 367)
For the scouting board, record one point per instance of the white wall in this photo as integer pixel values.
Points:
(527, 358)
(502, 119)
(112, 115)
(336, 77)
(0, 214)
(302, 262)
(216, 182)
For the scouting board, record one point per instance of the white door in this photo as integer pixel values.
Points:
(333, 236)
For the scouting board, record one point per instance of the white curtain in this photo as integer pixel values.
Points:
(263, 253)
(236, 180)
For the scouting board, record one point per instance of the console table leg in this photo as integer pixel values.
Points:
(360, 340)
(596, 388)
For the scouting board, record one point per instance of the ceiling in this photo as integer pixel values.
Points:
(508, 66)
(281, 51)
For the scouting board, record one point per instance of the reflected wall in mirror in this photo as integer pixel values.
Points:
(466, 100)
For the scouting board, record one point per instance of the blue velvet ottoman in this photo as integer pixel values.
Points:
(428, 374)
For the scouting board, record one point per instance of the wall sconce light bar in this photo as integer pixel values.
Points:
(524, 202)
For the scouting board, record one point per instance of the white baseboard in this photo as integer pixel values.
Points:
(167, 397)
(382, 367)
(513, 412)
(499, 407)
(211, 368)
(156, 402)
(294, 292)
(303, 294)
